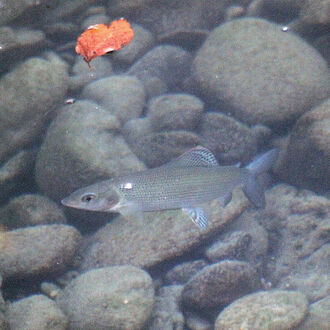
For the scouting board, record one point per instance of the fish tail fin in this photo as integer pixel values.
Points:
(252, 189)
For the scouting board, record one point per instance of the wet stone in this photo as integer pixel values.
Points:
(37, 251)
(233, 246)
(180, 274)
(31, 210)
(106, 297)
(175, 112)
(219, 284)
(276, 309)
(36, 312)
(166, 312)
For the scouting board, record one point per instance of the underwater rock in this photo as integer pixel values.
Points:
(156, 149)
(318, 317)
(36, 312)
(82, 145)
(315, 12)
(161, 68)
(16, 172)
(82, 76)
(143, 41)
(166, 312)
(234, 245)
(219, 284)
(37, 251)
(27, 95)
(114, 298)
(305, 162)
(182, 273)
(31, 210)
(175, 112)
(280, 310)
(237, 73)
(157, 237)
(247, 226)
(230, 140)
(19, 43)
(297, 222)
(122, 96)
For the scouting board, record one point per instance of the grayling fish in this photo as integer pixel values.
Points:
(184, 183)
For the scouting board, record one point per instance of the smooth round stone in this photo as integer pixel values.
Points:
(175, 112)
(251, 68)
(36, 312)
(280, 310)
(123, 96)
(219, 284)
(119, 297)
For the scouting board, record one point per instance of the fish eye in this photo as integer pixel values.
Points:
(87, 198)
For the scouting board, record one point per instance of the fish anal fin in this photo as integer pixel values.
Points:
(197, 215)
(195, 157)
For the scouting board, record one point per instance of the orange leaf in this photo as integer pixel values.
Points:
(100, 39)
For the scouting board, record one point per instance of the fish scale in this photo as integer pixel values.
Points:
(170, 187)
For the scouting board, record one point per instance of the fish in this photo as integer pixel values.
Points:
(185, 183)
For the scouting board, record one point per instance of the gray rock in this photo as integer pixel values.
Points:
(175, 112)
(37, 251)
(305, 162)
(36, 312)
(98, 18)
(230, 140)
(18, 43)
(298, 227)
(166, 312)
(156, 149)
(233, 246)
(15, 171)
(195, 322)
(123, 96)
(187, 39)
(235, 71)
(157, 237)
(311, 276)
(180, 274)
(108, 298)
(143, 40)
(318, 317)
(257, 249)
(82, 75)
(82, 146)
(27, 94)
(12, 9)
(31, 210)
(219, 284)
(162, 67)
(315, 12)
(276, 309)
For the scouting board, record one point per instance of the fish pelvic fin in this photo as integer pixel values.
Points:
(252, 188)
(197, 215)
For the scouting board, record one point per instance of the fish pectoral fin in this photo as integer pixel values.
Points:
(197, 215)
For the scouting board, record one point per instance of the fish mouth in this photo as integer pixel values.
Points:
(66, 202)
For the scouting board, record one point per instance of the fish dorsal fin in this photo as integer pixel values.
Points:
(195, 157)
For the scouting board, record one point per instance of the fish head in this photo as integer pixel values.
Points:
(97, 197)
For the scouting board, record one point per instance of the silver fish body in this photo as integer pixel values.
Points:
(177, 187)
(185, 183)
